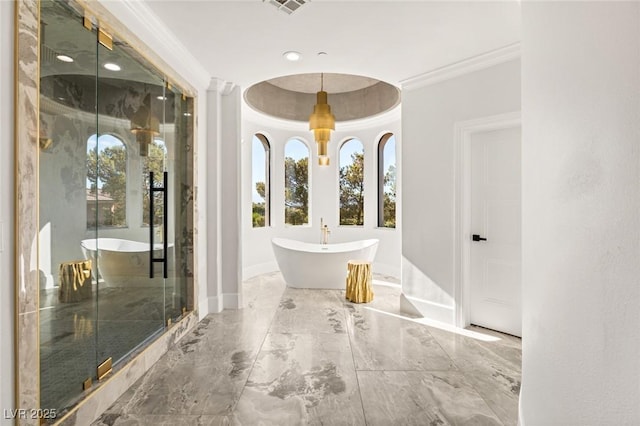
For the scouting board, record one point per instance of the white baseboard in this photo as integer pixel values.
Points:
(429, 310)
(231, 300)
(215, 304)
(259, 269)
(407, 307)
(520, 419)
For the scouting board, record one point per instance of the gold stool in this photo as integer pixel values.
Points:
(359, 281)
(75, 281)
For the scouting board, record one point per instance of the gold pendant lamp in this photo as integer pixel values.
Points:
(322, 122)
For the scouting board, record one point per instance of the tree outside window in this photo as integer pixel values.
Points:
(153, 162)
(352, 183)
(387, 181)
(260, 194)
(296, 183)
(106, 182)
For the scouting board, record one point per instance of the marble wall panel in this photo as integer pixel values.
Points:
(26, 216)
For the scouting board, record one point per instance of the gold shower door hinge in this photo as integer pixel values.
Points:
(169, 322)
(184, 310)
(104, 369)
(86, 384)
(105, 39)
(87, 22)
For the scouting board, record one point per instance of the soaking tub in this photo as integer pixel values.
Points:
(308, 265)
(124, 263)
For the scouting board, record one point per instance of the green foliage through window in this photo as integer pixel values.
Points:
(106, 182)
(153, 162)
(352, 186)
(260, 157)
(296, 183)
(387, 182)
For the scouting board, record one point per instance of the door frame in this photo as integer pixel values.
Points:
(463, 132)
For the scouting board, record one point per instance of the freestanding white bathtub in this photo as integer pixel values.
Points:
(123, 263)
(308, 265)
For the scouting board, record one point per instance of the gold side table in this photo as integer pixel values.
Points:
(75, 281)
(359, 281)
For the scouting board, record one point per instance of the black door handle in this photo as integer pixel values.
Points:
(476, 237)
(152, 191)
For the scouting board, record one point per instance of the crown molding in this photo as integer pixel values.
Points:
(466, 66)
(224, 87)
(157, 35)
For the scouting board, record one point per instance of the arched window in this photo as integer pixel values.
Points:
(106, 181)
(387, 181)
(296, 183)
(153, 162)
(260, 181)
(352, 183)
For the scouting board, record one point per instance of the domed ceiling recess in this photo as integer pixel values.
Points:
(351, 97)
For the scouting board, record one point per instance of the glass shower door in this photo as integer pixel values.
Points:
(131, 299)
(115, 168)
(68, 206)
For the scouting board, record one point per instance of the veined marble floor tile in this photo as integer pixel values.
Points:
(496, 378)
(302, 379)
(309, 357)
(385, 342)
(309, 311)
(203, 374)
(422, 398)
(161, 420)
(386, 298)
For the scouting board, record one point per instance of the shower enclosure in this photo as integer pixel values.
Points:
(115, 204)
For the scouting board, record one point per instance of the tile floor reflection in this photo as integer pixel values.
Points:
(296, 356)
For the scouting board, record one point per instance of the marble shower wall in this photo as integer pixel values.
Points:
(26, 148)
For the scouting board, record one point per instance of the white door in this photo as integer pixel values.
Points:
(495, 281)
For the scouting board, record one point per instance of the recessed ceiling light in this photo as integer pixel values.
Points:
(292, 56)
(64, 58)
(112, 67)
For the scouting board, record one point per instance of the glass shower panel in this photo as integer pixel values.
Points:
(69, 205)
(178, 136)
(130, 308)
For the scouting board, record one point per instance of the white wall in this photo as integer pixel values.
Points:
(7, 314)
(429, 115)
(223, 196)
(257, 256)
(581, 222)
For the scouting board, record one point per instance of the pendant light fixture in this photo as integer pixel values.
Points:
(322, 122)
(145, 125)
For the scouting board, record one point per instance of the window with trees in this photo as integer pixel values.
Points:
(153, 162)
(352, 183)
(106, 181)
(387, 181)
(260, 181)
(296, 183)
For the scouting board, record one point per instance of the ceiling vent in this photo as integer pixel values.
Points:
(287, 6)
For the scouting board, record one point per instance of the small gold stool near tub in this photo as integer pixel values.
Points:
(359, 281)
(75, 281)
